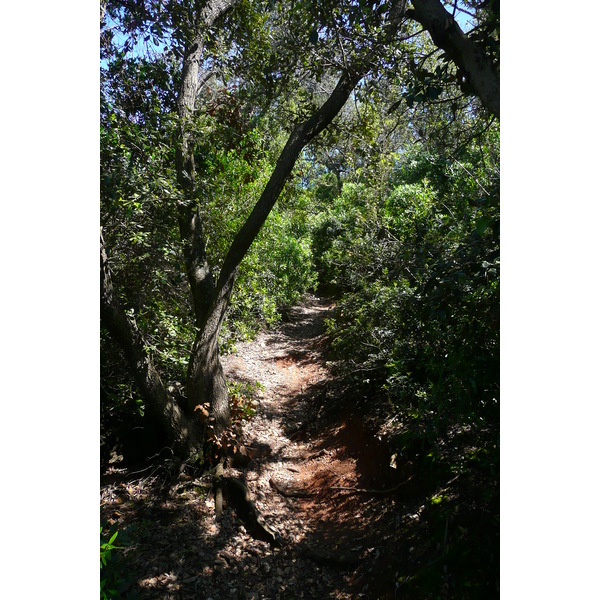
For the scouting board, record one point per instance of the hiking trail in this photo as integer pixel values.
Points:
(312, 474)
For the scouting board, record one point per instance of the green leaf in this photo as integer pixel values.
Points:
(481, 224)
(433, 92)
(314, 37)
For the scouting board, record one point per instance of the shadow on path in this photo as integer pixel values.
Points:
(337, 543)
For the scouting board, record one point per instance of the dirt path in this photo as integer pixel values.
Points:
(295, 485)
(299, 471)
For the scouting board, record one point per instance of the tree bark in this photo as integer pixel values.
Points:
(181, 433)
(467, 56)
(205, 381)
(198, 270)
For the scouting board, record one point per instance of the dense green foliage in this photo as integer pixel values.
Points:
(415, 265)
(138, 191)
(418, 265)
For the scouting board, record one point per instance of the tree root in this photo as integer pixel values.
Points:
(298, 493)
(355, 490)
(219, 491)
(237, 495)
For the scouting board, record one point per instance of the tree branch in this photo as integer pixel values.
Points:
(190, 225)
(302, 135)
(466, 55)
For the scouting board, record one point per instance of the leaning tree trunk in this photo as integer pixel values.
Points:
(181, 432)
(205, 380)
(483, 76)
